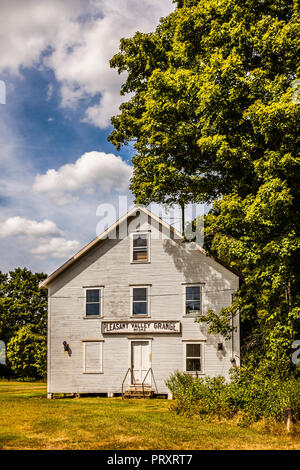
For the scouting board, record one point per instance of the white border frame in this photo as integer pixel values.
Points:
(101, 289)
(84, 343)
(202, 352)
(192, 284)
(142, 232)
(137, 286)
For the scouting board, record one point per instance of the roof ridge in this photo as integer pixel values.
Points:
(102, 236)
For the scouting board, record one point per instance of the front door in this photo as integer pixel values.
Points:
(140, 361)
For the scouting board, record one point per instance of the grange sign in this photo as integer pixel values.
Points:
(151, 326)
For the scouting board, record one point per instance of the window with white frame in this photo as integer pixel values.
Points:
(193, 300)
(140, 301)
(93, 302)
(92, 357)
(193, 357)
(140, 247)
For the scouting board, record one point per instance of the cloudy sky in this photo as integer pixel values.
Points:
(56, 166)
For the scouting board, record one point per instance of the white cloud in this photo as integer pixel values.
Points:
(20, 226)
(80, 37)
(77, 220)
(107, 171)
(30, 28)
(45, 237)
(76, 39)
(50, 91)
(99, 115)
(56, 248)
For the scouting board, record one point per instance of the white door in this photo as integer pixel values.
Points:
(140, 361)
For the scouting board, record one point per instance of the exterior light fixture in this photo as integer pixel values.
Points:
(220, 347)
(66, 346)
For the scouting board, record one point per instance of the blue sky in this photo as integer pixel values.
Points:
(44, 126)
(56, 165)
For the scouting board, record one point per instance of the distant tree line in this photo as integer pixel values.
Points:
(23, 324)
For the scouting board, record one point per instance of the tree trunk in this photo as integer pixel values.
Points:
(288, 418)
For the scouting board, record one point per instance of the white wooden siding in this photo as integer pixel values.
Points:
(108, 265)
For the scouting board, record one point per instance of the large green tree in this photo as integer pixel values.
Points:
(213, 117)
(27, 353)
(22, 303)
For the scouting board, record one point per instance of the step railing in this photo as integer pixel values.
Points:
(143, 383)
(130, 369)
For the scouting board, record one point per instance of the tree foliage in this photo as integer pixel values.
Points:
(27, 352)
(23, 305)
(251, 395)
(212, 118)
(211, 97)
(22, 302)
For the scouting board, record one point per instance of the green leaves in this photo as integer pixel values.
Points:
(22, 302)
(211, 93)
(27, 353)
(23, 321)
(253, 393)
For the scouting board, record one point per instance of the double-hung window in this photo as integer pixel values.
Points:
(139, 301)
(93, 302)
(140, 248)
(193, 357)
(193, 300)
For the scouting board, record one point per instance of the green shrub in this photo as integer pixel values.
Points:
(27, 353)
(255, 395)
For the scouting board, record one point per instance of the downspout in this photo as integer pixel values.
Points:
(232, 359)
(182, 221)
(232, 341)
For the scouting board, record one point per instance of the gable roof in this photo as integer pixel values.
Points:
(130, 213)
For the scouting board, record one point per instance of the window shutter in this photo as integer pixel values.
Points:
(92, 356)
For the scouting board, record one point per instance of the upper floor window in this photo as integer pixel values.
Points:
(93, 302)
(139, 301)
(140, 248)
(192, 300)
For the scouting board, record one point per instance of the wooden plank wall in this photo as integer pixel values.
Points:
(108, 265)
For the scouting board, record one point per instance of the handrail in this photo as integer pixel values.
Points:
(124, 380)
(131, 370)
(143, 383)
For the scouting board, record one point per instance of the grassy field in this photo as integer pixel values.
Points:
(29, 421)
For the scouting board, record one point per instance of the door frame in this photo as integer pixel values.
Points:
(139, 340)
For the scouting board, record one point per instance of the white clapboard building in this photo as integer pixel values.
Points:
(122, 311)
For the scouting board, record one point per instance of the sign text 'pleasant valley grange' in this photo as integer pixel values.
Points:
(118, 327)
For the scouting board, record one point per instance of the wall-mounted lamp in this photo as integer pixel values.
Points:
(66, 346)
(220, 347)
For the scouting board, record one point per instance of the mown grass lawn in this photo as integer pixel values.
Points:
(29, 421)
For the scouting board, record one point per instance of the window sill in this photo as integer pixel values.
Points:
(140, 262)
(92, 317)
(92, 373)
(195, 374)
(139, 316)
(192, 315)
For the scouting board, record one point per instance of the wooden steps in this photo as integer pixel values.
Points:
(136, 391)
